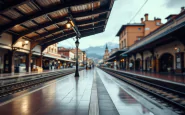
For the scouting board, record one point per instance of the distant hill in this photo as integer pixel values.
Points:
(98, 51)
(94, 55)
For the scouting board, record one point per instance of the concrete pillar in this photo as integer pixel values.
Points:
(153, 64)
(153, 61)
(127, 63)
(157, 65)
(12, 55)
(28, 62)
(39, 61)
(118, 64)
(134, 64)
(9, 66)
(142, 62)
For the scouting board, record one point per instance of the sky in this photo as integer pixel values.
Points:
(122, 12)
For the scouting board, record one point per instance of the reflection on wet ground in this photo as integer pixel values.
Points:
(72, 96)
(130, 102)
(125, 103)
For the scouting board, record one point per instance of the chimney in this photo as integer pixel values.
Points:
(146, 17)
(142, 20)
(182, 9)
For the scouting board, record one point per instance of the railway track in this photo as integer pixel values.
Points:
(175, 98)
(31, 81)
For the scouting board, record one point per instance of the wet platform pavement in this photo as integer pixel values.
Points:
(93, 93)
(13, 75)
(168, 77)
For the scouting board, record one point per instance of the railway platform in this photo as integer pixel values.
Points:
(93, 93)
(12, 75)
(160, 76)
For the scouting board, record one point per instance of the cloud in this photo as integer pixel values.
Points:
(175, 3)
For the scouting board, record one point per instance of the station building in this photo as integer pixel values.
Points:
(153, 46)
(81, 56)
(27, 28)
(14, 57)
(66, 52)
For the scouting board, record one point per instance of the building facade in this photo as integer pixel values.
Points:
(132, 33)
(53, 49)
(113, 51)
(161, 50)
(66, 52)
(80, 56)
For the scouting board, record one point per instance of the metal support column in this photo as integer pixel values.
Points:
(28, 62)
(76, 72)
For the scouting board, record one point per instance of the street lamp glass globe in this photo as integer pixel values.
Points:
(68, 25)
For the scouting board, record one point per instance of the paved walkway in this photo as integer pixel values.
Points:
(169, 77)
(93, 93)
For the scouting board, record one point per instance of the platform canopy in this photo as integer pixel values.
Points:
(43, 22)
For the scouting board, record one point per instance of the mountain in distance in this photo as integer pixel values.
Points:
(97, 52)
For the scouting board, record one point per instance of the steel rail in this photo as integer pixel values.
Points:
(174, 97)
(11, 88)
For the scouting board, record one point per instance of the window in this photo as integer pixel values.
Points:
(124, 42)
(147, 28)
(139, 28)
(158, 24)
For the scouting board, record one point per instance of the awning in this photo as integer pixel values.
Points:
(117, 53)
(111, 59)
(58, 58)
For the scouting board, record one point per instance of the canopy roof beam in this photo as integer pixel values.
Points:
(44, 11)
(41, 42)
(63, 27)
(84, 34)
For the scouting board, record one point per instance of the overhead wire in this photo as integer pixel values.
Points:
(139, 10)
(70, 43)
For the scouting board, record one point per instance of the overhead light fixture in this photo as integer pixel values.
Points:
(25, 43)
(68, 25)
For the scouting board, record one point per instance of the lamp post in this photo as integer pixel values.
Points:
(71, 24)
(77, 44)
